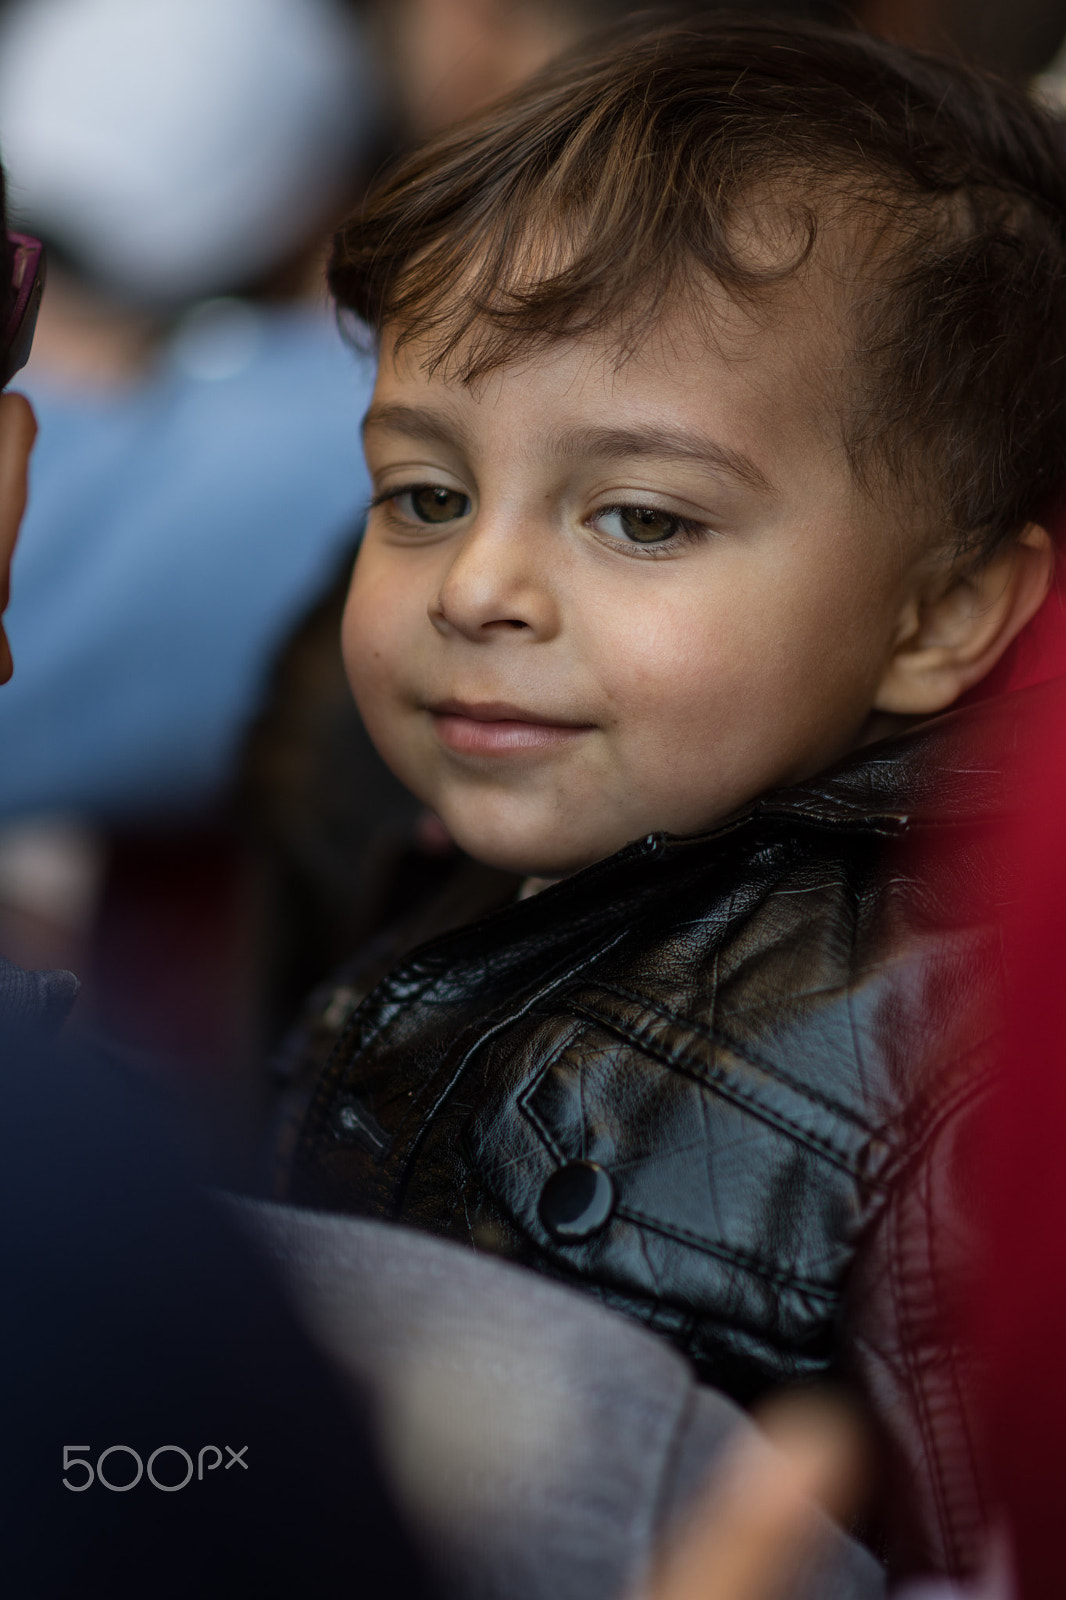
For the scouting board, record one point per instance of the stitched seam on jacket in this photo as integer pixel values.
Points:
(683, 1235)
(724, 1041)
(972, 1451)
(715, 1079)
(540, 1128)
(486, 1032)
(405, 970)
(948, 1526)
(727, 1253)
(730, 1254)
(914, 1383)
(524, 1102)
(334, 1067)
(889, 1219)
(935, 1110)
(337, 1061)
(317, 1115)
(962, 1408)
(942, 1488)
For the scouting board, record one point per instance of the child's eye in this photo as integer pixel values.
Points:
(641, 524)
(428, 502)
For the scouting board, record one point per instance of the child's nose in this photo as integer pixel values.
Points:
(496, 583)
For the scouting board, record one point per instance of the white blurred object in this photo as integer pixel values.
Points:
(995, 1583)
(1049, 86)
(450, 1429)
(179, 147)
(52, 868)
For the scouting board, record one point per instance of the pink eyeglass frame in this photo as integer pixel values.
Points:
(27, 284)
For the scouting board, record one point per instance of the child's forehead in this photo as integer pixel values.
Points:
(787, 348)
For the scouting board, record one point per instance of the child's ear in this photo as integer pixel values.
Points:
(958, 621)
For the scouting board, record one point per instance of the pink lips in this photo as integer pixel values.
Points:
(495, 728)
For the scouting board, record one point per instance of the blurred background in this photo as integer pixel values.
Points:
(191, 816)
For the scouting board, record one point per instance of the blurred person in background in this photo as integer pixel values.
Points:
(1016, 41)
(133, 1306)
(446, 58)
(199, 478)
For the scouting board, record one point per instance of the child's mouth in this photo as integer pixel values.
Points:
(495, 728)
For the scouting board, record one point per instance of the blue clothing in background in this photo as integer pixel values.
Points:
(176, 532)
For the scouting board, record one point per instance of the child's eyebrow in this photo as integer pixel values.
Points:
(672, 444)
(605, 444)
(415, 422)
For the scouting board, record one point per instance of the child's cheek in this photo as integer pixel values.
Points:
(379, 643)
(367, 637)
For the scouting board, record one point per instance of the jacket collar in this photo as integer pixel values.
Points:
(959, 767)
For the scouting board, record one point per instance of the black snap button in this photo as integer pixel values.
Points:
(576, 1201)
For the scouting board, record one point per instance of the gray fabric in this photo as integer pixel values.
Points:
(541, 1444)
(35, 999)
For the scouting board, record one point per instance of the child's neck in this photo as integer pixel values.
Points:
(532, 886)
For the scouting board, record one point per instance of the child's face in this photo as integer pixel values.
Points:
(596, 601)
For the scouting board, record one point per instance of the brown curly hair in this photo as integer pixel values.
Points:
(632, 170)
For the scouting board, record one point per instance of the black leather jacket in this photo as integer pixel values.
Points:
(716, 1081)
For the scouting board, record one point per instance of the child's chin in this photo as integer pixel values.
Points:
(525, 858)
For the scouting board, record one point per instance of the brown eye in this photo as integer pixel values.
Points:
(647, 527)
(640, 524)
(434, 503)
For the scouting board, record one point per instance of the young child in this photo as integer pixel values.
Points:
(719, 401)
